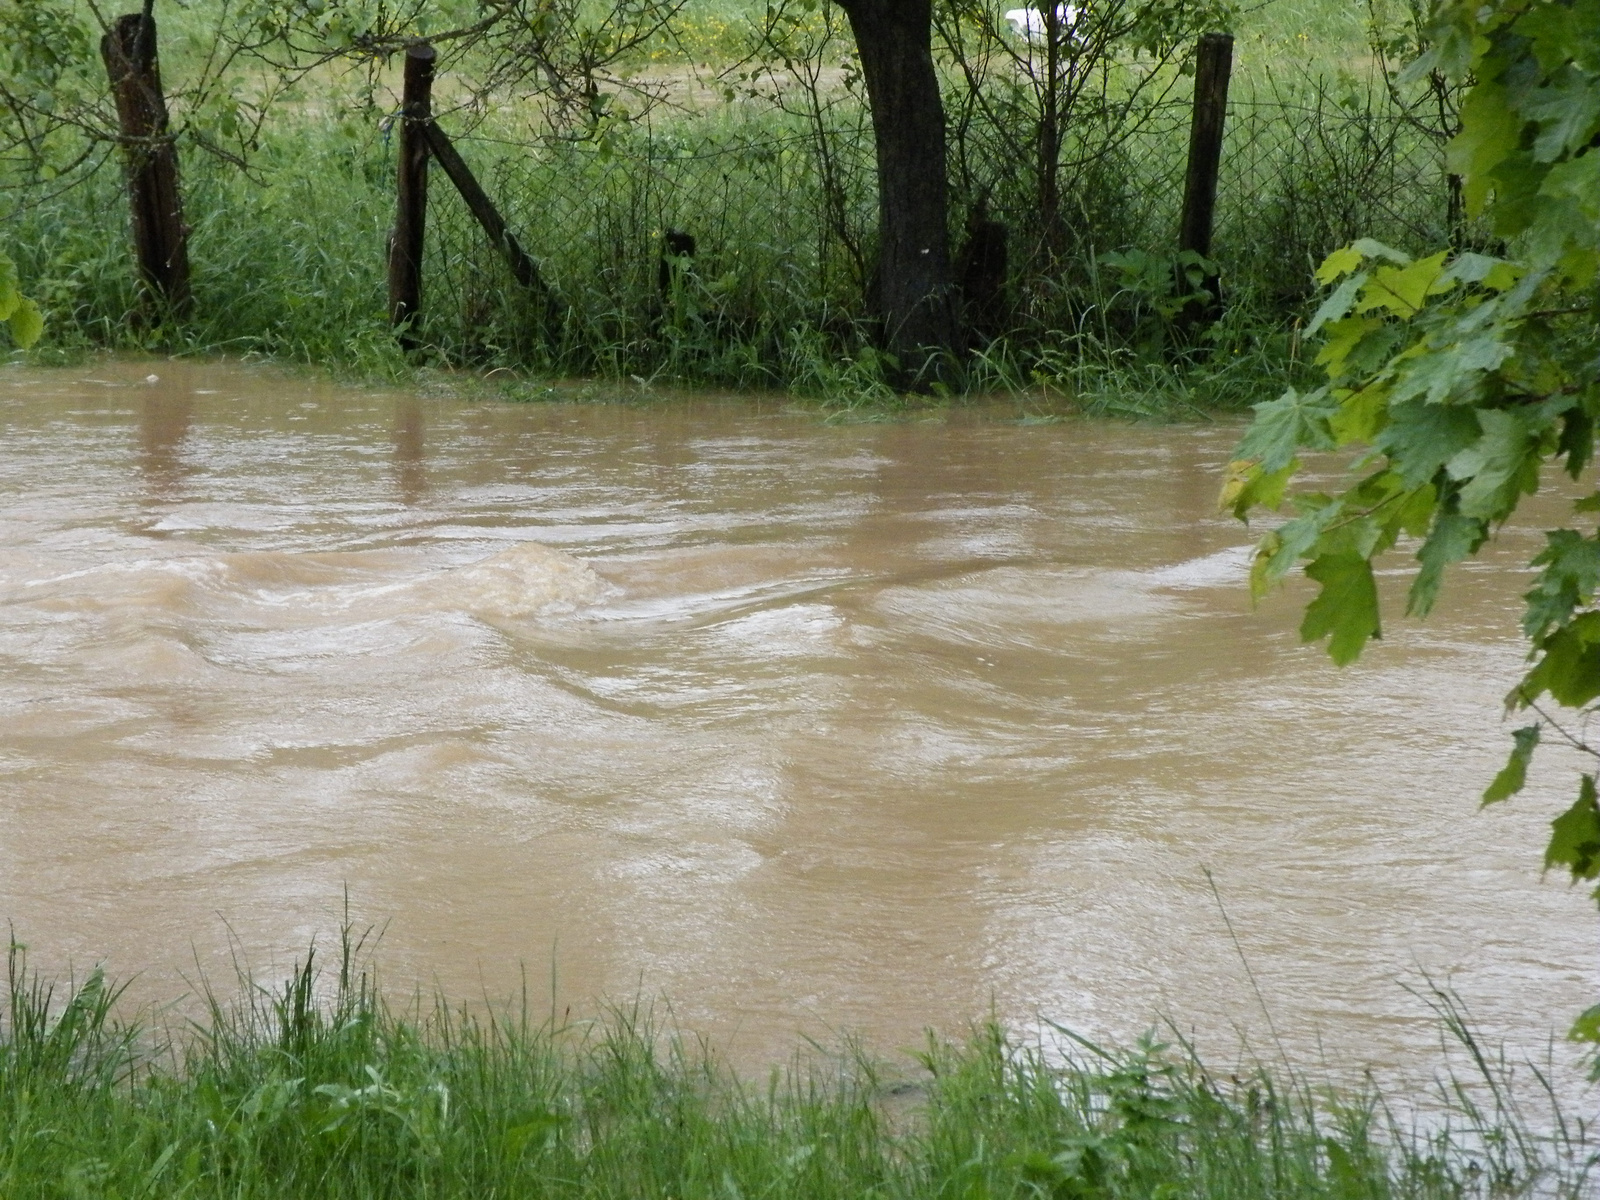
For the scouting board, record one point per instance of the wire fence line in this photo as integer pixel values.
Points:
(779, 195)
(1302, 173)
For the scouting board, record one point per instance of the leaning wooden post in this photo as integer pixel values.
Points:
(411, 193)
(1213, 65)
(160, 238)
(523, 268)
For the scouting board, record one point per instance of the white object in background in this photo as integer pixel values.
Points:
(1029, 22)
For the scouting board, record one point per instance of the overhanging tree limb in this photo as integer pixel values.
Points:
(1457, 379)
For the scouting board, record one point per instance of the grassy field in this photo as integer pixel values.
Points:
(290, 217)
(317, 1088)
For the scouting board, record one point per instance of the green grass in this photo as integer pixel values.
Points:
(289, 264)
(318, 1087)
(288, 257)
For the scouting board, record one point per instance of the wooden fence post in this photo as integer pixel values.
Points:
(1213, 65)
(523, 268)
(160, 238)
(411, 193)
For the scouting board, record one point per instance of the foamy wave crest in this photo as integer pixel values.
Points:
(525, 580)
(1221, 569)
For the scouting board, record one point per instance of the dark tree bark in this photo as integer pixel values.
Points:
(1213, 65)
(981, 277)
(160, 238)
(915, 289)
(411, 194)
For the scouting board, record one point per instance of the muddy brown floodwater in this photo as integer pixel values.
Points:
(813, 729)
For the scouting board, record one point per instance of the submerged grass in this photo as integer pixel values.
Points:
(318, 1087)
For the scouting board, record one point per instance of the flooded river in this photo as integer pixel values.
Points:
(807, 728)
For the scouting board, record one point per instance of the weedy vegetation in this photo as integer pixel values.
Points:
(318, 1087)
(599, 128)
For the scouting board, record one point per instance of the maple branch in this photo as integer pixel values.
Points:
(1577, 743)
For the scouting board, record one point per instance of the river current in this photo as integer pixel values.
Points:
(806, 728)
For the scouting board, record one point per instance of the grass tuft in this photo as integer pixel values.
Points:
(318, 1087)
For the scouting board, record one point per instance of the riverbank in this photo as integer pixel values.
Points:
(288, 185)
(1159, 394)
(321, 1086)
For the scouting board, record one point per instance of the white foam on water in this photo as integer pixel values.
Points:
(527, 579)
(1222, 569)
(1023, 606)
(172, 585)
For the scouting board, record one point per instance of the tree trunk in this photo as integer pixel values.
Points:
(1213, 65)
(1050, 134)
(160, 238)
(411, 195)
(915, 289)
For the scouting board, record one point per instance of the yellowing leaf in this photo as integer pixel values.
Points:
(1401, 290)
(1262, 577)
(1361, 416)
(1343, 337)
(26, 322)
(1340, 262)
(1234, 478)
(1256, 488)
(1502, 276)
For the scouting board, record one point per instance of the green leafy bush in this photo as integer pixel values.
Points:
(1457, 379)
(21, 315)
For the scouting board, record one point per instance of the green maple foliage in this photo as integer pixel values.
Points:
(19, 314)
(1458, 379)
